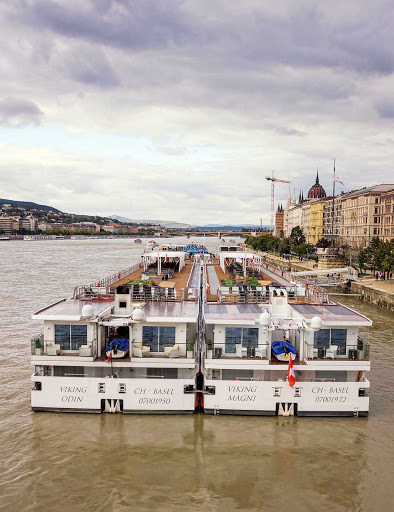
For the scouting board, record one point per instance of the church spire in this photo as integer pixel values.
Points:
(317, 177)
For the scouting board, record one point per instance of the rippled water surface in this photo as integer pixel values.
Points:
(78, 462)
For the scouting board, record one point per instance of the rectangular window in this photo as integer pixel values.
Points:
(322, 338)
(237, 374)
(326, 337)
(122, 304)
(247, 336)
(233, 336)
(71, 337)
(162, 373)
(338, 337)
(157, 338)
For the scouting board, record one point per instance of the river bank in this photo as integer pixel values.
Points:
(380, 293)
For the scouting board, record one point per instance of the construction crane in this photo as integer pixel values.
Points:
(273, 179)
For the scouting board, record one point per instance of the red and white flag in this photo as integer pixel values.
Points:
(109, 357)
(253, 258)
(290, 372)
(337, 180)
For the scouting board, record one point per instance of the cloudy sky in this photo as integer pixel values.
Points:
(177, 110)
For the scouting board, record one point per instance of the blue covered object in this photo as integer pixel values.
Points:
(282, 347)
(195, 249)
(121, 344)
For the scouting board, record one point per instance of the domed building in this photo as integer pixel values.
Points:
(316, 191)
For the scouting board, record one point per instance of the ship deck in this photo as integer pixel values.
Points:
(179, 280)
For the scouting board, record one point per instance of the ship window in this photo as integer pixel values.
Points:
(123, 304)
(162, 373)
(235, 374)
(69, 371)
(326, 337)
(248, 336)
(157, 338)
(71, 337)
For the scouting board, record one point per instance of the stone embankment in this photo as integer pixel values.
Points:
(379, 293)
(290, 266)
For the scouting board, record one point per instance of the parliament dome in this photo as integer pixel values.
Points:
(316, 191)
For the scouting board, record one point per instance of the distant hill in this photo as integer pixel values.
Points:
(164, 223)
(28, 204)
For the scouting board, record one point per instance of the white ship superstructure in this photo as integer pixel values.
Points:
(244, 324)
(151, 305)
(175, 332)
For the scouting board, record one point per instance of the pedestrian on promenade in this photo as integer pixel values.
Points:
(376, 276)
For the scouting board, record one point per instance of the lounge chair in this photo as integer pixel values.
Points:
(53, 349)
(171, 351)
(85, 350)
(240, 351)
(260, 352)
(331, 351)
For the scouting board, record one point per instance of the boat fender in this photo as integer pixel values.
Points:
(118, 275)
(98, 284)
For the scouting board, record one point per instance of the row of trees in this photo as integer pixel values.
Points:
(379, 255)
(295, 243)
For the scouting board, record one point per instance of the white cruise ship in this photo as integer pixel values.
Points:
(125, 343)
(176, 333)
(251, 331)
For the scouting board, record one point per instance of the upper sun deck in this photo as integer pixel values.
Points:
(331, 314)
(70, 310)
(241, 277)
(161, 275)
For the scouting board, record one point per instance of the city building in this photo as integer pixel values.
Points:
(316, 222)
(387, 205)
(362, 214)
(279, 220)
(7, 225)
(328, 225)
(306, 220)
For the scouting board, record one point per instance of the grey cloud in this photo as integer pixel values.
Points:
(90, 66)
(386, 109)
(17, 112)
(129, 25)
(304, 35)
(283, 130)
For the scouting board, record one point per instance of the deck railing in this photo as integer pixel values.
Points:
(237, 351)
(107, 281)
(63, 347)
(358, 351)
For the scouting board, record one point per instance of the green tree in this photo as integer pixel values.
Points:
(297, 236)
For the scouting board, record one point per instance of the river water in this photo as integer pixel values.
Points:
(78, 462)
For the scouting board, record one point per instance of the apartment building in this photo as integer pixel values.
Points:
(387, 215)
(364, 215)
(332, 208)
(7, 225)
